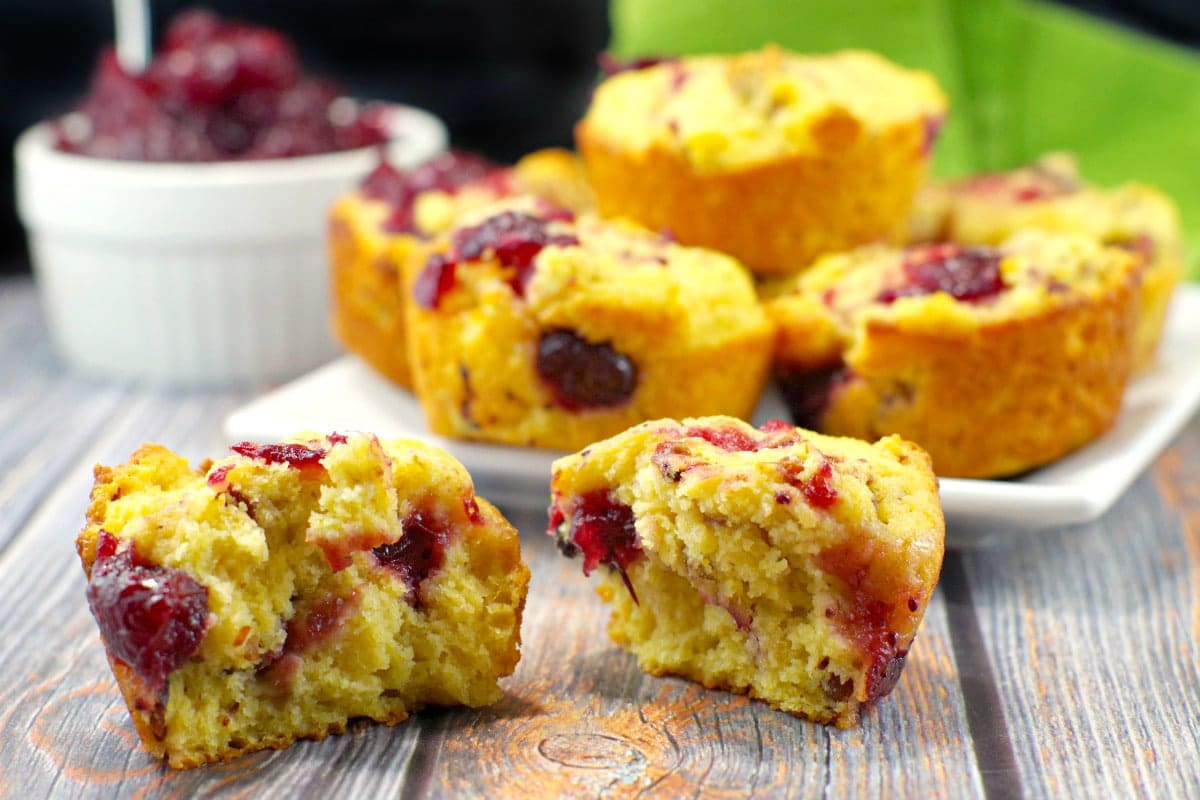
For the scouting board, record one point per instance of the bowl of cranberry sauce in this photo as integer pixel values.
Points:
(176, 218)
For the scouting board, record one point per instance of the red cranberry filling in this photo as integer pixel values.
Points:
(217, 90)
(611, 65)
(602, 530)
(965, 273)
(729, 439)
(866, 619)
(150, 617)
(514, 238)
(297, 456)
(581, 374)
(418, 554)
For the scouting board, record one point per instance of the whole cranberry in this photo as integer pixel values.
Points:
(582, 374)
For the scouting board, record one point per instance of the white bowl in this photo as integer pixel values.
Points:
(211, 273)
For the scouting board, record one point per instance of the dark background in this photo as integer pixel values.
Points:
(507, 76)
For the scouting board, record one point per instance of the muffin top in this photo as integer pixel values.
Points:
(561, 266)
(725, 112)
(942, 289)
(1048, 195)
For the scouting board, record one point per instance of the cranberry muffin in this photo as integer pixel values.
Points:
(994, 359)
(770, 156)
(373, 230)
(776, 562)
(286, 589)
(1049, 195)
(530, 326)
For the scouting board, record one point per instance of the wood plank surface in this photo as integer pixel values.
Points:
(1061, 662)
(1092, 632)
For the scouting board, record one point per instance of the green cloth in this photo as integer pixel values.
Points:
(1023, 78)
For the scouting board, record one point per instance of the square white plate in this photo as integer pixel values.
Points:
(348, 395)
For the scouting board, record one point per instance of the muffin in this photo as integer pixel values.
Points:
(291, 587)
(373, 229)
(994, 359)
(529, 326)
(776, 562)
(769, 156)
(1049, 195)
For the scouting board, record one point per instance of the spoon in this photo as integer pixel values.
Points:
(133, 34)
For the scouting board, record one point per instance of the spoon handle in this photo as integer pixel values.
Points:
(133, 34)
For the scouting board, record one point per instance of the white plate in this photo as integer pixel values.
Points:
(346, 394)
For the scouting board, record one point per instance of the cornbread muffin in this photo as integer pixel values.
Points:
(1049, 195)
(282, 591)
(373, 229)
(779, 563)
(532, 327)
(769, 156)
(994, 359)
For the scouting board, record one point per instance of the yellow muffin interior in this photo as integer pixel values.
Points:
(745, 583)
(273, 543)
(726, 112)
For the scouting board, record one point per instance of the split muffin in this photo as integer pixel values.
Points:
(530, 326)
(290, 587)
(769, 156)
(1049, 195)
(994, 359)
(373, 230)
(776, 562)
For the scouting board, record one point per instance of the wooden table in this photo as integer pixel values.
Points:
(1053, 663)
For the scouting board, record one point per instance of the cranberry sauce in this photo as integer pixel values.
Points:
(965, 273)
(581, 374)
(602, 530)
(513, 237)
(418, 554)
(150, 617)
(215, 91)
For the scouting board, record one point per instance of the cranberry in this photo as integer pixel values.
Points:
(216, 90)
(965, 273)
(610, 65)
(933, 127)
(729, 439)
(294, 455)
(602, 529)
(808, 393)
(150, 617)
(317, 623)
(417, 554)
(581, 374)
(434, 281)
(866, 617)
(818, 490)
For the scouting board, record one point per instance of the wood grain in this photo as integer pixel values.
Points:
(1076, 648)
(1090, 631)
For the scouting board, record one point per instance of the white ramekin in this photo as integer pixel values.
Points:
(192, 273)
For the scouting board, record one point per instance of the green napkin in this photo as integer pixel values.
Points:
(1023, 77)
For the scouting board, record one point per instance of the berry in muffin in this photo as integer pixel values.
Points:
(530, 326)
(284, 590)
(1049, 195)
(374, 229)
(994, 359)
(775, 562)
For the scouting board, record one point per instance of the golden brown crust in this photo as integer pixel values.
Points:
(857, 189)
(367, 314)
(1011, 396)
